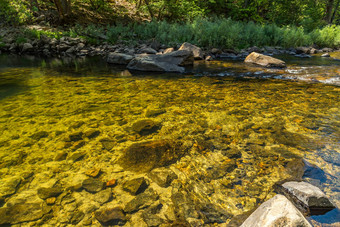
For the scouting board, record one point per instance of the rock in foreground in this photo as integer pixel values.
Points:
(278, 211)
(170, 62)
(308, 198)
(197, 52)
(263, 60)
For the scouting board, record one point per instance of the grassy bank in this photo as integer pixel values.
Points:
(221, 33)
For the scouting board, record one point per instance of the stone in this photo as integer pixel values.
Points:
(168, 50)
(216, 51)
(209, 58)
(8, 186)
(39, 135)
(147, 50)
(278, 211)
(51, 200)
(169, 62)
(78, 144)
(75, 136)
(302, 50)
(77, 156)
(92, 133)
(150, 216)
(308, 198)
(295, 168)
(162, 176)
(135, 186)
(232, 153)
(93, 185)
(103, 196)
(60, 156)
(144, 156)
(111, 183)
(19, 213)
(263, 60)
(119, 58)
(45, 193)
(141, 201)
(77, 217)
(27, 47)
(94, 172)
(197, 52)
(326, 55)
(111, 216)
(145, 127)
(107, 144)
(154, 112)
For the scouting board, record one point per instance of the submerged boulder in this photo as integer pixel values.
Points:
(119, 58)
(197, 52)
(263, 60)
(170, 62)
(307, 197)
(278, 211)
(145, 156)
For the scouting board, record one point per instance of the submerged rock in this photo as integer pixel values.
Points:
(93, 185)
(135, 186)
(21, 213)
(148, 155)
(111, 216)
(196, 51)
(162, 176)
(278, 211)
(141, 201)
(119, 58)
(8, 186)
(263, 60)
(45, 193)
(169, 62)
(145, 127)
(308, 198)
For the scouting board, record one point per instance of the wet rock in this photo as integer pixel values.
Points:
(60, 156)
(302, 50)
(27, 47)
(93, 185)
(77, 217)
(184, 206)
(94, 172)
(326, 55)
(220, 169)
(108, 144)
(111, 216)
(154, 112)
(103, 196)
(213, 214)
(39, 135)
(232, 153)
(141, 201)
(21, 213)
(78, 144)
(263, 60)
(8, 186)
(169, 62)
(77, 156)
(147, 155)
(295, 169)
(197, 52)
(145, 127)
(278, 211)
(51, 201)
(150, 216)
(308, 198)
(162, 176)
(119, 58)
(75, 137)
(92, 133)
(135, 186)
(45, 193)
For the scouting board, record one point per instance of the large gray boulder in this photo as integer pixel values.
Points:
(308, 198)
(197, 52)
(119, 58)
(170, 62)
(263, 60)
(278, 211)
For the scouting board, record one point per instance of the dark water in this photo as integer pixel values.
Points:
(240, 126)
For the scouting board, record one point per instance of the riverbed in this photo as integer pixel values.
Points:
(224, 131)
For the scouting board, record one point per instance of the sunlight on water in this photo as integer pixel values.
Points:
(231, 139)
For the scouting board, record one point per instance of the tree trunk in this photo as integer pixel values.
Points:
(63, 8)
(335, 11)
(329, 11)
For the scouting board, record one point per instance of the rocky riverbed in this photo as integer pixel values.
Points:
(94, 146)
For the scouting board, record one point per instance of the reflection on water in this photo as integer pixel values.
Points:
(230, 138)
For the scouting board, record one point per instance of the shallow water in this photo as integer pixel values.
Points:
(239, 127)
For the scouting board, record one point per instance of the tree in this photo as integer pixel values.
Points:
(63, 8)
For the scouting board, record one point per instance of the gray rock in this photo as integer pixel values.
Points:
(278, 211)
(302, 50)
(21, 213)
(147, 50)
(307, 197)
(93, 185)
(169, 62)
(45, 193)
(326, 49)
(27, 47)
(111, 216)
(135, 186)
(119, 58)
(141, 201)
(162, 176)
(263, 60)
(103, 196)
(197, 52)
